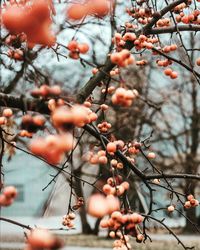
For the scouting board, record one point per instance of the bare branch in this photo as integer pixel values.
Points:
(171, 29)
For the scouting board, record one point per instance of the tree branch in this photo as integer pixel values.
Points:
(87, 89)
(15, 223)
(23, 104)
(160, 14)
(41, 106)
(171, 29)
(171, 176)
(176, 61)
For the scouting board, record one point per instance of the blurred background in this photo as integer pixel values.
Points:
(168, 109)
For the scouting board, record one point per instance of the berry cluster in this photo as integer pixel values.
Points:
(45, 91)
(115, 72)
(7, 113)
(15, 40)
(143, 15)
(172, 74)
(163, 63)
(116, 164)
(164, 22)
(192, 18)
(119, 220)
(77, 48)
(124, 97)
(33, 123)
(122, 58)
(170, 48)
(78, 115)
(42, 239)
(110, 90)
(122, 241)
(191, 202)
(99, 158)
(99, 206)
(55, 103)
(115, 189)
(53, 147)
(133, 149)
(104, 126)
(168, 71)
(16, 54)
(19, 18)
(98, 8)
(68, 220)
(120, 40)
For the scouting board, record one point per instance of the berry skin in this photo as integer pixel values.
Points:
(111, 147)
(151, 155)
(3, 120)
(103, 160)
(168, 72)
(83, 48)
(10, 192)
(97, 206)
(76, 11)
(198, 62)
(174, 75)
(7, 112)
(170, 208)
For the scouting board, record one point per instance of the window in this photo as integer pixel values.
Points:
(20, 189)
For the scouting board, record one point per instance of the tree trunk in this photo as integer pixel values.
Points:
(191, 159)
(96, 227)
(86, 229)
(191, 212)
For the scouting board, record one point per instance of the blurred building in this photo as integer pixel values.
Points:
(29, 175)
